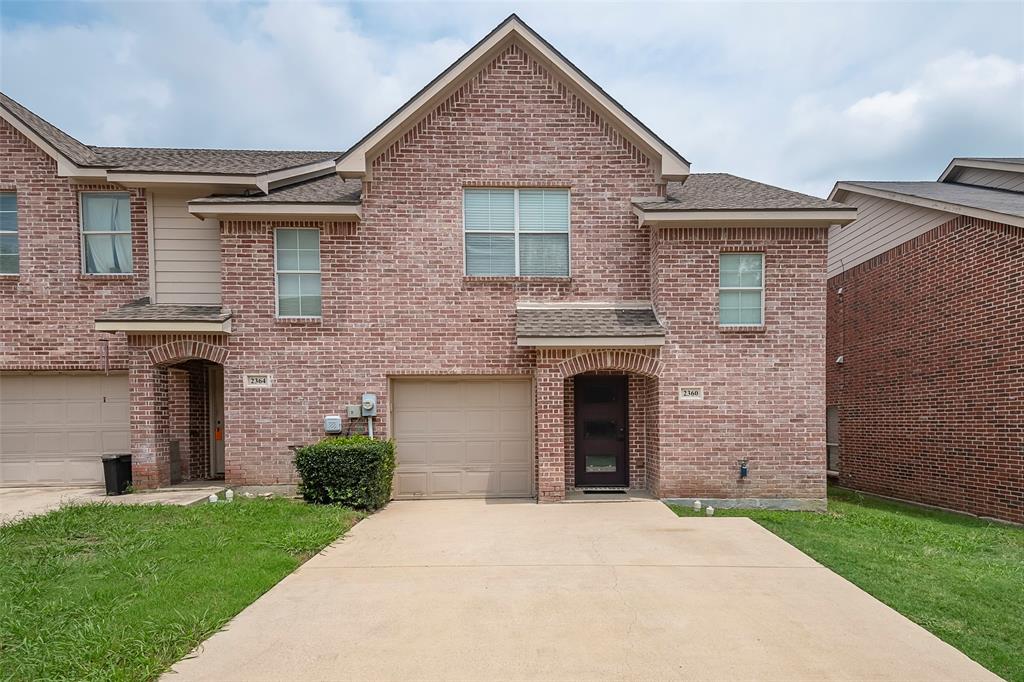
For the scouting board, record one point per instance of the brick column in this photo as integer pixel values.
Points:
(150, 423)
(550, 405)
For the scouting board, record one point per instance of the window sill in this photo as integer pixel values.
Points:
(472, 279)
(299, 321)
(743, 329)
(10, 276)
(99, 277)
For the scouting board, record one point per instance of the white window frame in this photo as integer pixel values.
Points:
(516, 232)
(318, 271)
(82, 233)
(760, 289)
(17, 237)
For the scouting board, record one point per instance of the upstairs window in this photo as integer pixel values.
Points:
(8, 233)
(106, 233)
(297, 262)
(741, 289)
(516, 232)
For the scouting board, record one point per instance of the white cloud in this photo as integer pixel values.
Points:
(794, 94)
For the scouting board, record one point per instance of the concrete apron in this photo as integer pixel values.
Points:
(477, 590)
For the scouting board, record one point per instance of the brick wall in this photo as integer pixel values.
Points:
(930, 392)
(46, 320)
(395, 298)
(764, 389)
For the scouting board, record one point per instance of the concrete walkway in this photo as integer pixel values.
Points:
(19, 503)
(476, 590)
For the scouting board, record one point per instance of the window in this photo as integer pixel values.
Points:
(8, 233)
(832, 438)
(516, 232)
(106, 233)
(298, 272)
(741, 289)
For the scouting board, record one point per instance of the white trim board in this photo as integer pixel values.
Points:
(145, 326)
(590, 341)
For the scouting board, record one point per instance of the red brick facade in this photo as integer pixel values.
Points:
(396, 304)
(46, 320)
(931, 386)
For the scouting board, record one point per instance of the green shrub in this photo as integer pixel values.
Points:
(355, 471)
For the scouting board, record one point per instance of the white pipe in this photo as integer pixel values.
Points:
(369, 424)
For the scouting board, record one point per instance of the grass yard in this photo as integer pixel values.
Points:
(122, 592)
(957, 576)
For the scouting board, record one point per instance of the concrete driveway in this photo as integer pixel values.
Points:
(475, 590)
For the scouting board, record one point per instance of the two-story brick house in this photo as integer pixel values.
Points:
(533, 284)
(925, 380)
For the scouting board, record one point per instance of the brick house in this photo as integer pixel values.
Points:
(537, 292)
(925, 320)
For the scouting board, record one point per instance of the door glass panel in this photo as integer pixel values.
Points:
(599, 428)
(600, 463)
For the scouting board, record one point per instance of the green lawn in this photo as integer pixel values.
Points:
(122, 592)
(957, 576)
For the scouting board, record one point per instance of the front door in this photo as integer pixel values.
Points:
(602, 444)
(216, 382)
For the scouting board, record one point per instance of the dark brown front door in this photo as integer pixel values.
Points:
(602, 445)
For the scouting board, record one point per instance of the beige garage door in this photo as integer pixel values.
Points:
(55, 427)
(464, 438)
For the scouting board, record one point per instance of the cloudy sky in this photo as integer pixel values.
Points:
(795, 94)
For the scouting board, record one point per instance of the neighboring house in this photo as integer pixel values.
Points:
(925, 329)
(539, 293)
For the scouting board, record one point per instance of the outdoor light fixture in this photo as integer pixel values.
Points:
(743, 468)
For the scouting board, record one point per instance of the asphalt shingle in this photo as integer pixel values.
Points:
(329, 189)
(142, 310)
(968, 196)
(587, 322)
(725, 192)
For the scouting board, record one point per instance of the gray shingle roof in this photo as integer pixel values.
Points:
(329, 189)
(999, 159)
(725, 192)
(587, 322)
(144, 311)
(968, 196)
(212, 161)
(163, 160)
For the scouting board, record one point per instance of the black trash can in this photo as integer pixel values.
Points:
(117, 473)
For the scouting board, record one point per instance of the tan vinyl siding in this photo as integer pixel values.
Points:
(186, 252)
(991, 178)
(881, 224)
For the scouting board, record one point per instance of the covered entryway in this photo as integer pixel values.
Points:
(55, 427)
(464, 437)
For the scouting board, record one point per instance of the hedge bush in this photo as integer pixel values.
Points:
(355, 471)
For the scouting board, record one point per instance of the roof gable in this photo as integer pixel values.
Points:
(357, 161)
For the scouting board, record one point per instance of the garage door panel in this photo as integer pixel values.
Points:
(515, 420)
(513, 452)
(476, 435)
(114, 412)
(515, 483)
(83, 413)
(481, 420)
(445, 483)
(410, 484)
(54, 428)
(446, 453)
(482, 452)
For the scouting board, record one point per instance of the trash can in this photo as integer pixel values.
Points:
(117, 473)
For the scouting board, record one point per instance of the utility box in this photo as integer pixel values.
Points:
(369, 405)
(332, 424)
(353, 411)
